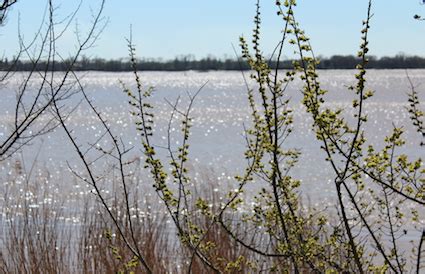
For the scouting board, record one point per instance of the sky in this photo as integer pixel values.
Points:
(170, 28)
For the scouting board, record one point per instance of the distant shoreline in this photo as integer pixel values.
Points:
(209, 64)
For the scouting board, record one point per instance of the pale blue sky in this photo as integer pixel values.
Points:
(171, 28)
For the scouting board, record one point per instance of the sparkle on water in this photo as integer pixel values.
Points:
(216, 142)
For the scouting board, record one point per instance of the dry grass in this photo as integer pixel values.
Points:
(43, 233)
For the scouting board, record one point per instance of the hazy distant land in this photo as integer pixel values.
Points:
(188, 62)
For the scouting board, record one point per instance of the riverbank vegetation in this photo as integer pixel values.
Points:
(198, 226)
(184, 63)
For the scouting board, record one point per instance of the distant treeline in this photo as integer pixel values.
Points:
(188, 63)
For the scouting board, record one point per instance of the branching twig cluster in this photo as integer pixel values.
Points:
(375, 188)
(4, 6)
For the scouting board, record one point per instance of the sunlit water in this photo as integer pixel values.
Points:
(220, 112)
(217, 141)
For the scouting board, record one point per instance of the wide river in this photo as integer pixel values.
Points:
(41, 173)
(220, 113)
